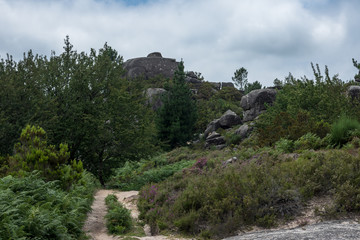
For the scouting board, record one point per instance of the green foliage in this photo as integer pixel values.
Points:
(177, 116)
(308, 141)
(304, 106)
(33, 153)
(285, 145)
(118, 219)
(252, 86)
(80, 99)
(34, 209)
(342, 128)
(258, 190)
(240, 78)
(134, 175)
(356, 65)
(215, 104)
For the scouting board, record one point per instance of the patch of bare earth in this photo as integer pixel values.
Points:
(95, 227)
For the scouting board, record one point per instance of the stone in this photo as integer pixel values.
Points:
(211, 127)
(327, 230)
(215, 139)
(154, 65)
(254, 103)
(153, 96)
(354, 92)
(230, 161)
(229, 119)
(244, 131)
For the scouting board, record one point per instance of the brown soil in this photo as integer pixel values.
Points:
(95, 224)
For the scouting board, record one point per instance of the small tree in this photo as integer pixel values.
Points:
(176, 118)
(357, 65)
(240, 78)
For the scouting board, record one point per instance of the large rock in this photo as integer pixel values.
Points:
(354, 92)
(153, 65)
(215, 139)
(254, 103)
(244, 131)
(153, 96)
(227, 120)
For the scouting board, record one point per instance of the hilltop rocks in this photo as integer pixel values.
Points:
(254, 103)
(151, 66)
(153, 96)
(227, 120)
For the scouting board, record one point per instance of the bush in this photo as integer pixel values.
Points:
(118, 219)
(308, 141)
(33, 153)
(342, 129)
(258, 190)
(285, 145)
(135, 175)
(34, 209)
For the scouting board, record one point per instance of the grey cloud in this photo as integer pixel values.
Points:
(215, 37)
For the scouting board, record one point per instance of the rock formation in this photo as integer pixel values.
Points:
(153, 65)
(227, 120)
(153, 96)
(354, 92)
(254, 103)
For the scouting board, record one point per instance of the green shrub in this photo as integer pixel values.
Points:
(285, 145)
(308, 141)
(259, 189)
(341, 130)
(134, 175)
(118, 218)
(34, 209)
(33, 153)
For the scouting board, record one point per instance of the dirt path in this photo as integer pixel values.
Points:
(95, 224)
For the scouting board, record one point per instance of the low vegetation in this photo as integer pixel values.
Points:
(118, 219)
(43, 195)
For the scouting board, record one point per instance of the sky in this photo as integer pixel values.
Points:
(270, 38)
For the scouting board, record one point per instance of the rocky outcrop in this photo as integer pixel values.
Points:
(244, 131)
(254, 103)
(215, 139)
(153, 65)
(153, 96)
(354, 92)
(227, 120)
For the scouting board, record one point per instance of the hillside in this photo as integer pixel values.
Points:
(207, 159)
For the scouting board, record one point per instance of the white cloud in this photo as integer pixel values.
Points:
(215, 37)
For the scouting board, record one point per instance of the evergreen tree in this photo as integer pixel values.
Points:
(240, 78)
(177, 116)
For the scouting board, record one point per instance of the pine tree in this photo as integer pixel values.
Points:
(177, 116)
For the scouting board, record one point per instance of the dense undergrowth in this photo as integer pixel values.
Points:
(31, 208)
(214, 200)
(135, 175)
(43, 194)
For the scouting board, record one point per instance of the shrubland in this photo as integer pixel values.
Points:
(43, 195)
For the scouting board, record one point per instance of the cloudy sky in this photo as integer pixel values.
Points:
(270, 38)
